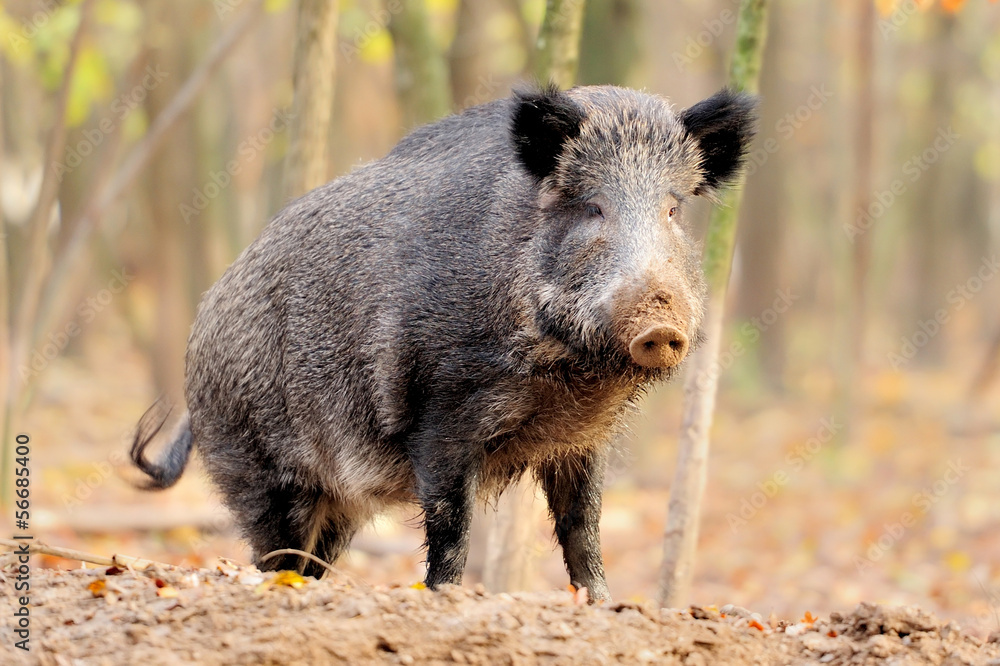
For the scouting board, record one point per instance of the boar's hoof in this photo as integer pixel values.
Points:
(659, 346)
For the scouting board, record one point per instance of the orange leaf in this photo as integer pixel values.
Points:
(97, 588)
(167, 592)
(952, 6)
(756, 625)
(809, 618)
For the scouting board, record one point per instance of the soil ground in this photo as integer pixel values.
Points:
(237, 615)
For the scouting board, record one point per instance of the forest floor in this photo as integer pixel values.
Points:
(807, 515)
(236, 615)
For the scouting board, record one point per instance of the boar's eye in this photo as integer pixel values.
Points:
(672, 213)
(593, 210)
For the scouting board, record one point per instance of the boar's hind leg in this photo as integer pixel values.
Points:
(446, 487)
(573, 486)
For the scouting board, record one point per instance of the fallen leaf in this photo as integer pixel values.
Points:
(284, 578)
(97, 588)
(288, 579)
(756, 625)
(418, 586)
(167, 592)
(809, 618)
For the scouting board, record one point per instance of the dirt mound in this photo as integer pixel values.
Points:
(237, 615)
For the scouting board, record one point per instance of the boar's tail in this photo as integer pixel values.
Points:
(165, 472)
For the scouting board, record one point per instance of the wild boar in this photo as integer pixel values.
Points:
(489, 299)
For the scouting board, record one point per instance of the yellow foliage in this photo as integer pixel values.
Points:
(442, 6)
(378, 49)
(958, 561)
(987, 161)
(276, 6)
(121, 16)
(91, 83)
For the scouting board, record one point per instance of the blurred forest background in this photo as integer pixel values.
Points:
(857, 436)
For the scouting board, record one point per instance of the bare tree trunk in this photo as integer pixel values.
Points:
(681, 537)
(615, 25)
(172, 170)
(935, 208)
(421, 74)
(308, 155)
(38, 261)
(557, 51)
(510, 556)
(469, 55)
(855, 266)
(6, 370)
(508, 545)
(761, 268)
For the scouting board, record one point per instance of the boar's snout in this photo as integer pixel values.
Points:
(659, 346)
(655, 318)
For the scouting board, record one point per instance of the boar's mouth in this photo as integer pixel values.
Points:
(561, 350)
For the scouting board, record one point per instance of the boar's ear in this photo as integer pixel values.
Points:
(723, 125)
(542, 123)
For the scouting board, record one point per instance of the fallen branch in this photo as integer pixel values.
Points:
(116, 560)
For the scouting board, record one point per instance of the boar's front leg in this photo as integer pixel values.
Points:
(447, 477)
(573, 486)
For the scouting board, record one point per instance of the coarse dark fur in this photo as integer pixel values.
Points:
(434, 324)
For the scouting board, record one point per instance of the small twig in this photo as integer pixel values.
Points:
(330, 569)
(116, 560)
(301, 553)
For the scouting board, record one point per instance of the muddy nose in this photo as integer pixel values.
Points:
(659, 346)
